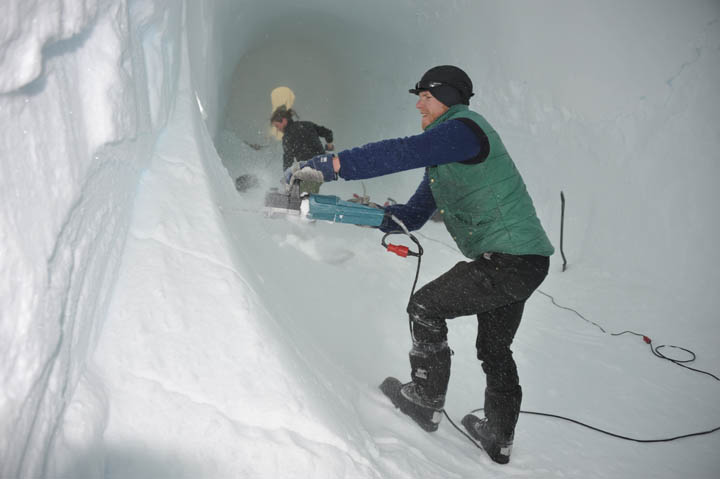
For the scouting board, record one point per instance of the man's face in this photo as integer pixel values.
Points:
(280, 125)
(430, 108)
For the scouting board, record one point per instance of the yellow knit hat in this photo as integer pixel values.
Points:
(280, 96)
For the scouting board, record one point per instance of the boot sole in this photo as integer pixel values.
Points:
(391, 388)
(469, 422)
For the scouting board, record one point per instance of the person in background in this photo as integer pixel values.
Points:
(301, 141)
(474, 184)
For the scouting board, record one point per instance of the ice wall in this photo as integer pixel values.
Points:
(86, 87)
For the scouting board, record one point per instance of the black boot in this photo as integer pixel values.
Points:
(411, 402)
(497, 430)
(498, 448)
(424, 397)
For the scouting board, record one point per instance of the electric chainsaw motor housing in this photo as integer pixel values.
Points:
(332, 208)
(321, 207)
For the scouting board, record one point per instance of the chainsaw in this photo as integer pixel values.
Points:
(320, 207)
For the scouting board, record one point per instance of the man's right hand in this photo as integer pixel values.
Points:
(289, 172)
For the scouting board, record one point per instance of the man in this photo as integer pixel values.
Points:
(301, 141)
(472, 181)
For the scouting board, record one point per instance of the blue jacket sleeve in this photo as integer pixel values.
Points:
(449, 142)
(415, 212)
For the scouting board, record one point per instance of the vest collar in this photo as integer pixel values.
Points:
(445, 116)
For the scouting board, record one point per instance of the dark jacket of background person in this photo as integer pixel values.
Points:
(301, 141)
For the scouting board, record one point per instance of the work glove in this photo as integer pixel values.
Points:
(300, 172)
(323, 164)
(318, 169)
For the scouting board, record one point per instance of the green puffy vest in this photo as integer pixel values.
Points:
(486, 206)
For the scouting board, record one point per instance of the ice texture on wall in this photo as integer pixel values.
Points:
(78, 128)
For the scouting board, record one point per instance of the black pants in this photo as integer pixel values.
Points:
(495, 288)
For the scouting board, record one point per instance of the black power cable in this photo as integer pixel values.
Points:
(562, 228)
(655, 349)
(619, 436)
(404, 252)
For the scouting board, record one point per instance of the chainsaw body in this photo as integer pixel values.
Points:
(321, 207)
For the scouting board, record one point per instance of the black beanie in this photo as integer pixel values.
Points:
(448, 83)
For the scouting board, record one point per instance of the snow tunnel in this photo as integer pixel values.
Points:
(153, 323)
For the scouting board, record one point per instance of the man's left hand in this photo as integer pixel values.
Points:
(300, 172)
(323, 164)
(317, 169)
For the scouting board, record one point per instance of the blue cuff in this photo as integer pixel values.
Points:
(324, 164)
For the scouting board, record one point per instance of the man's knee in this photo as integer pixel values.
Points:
(493, 353)
(432, 299)
(428, 330)
(416, 308)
